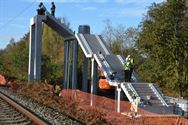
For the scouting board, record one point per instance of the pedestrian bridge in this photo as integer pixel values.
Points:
(95, 49)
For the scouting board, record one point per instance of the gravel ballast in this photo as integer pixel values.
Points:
(50, 115)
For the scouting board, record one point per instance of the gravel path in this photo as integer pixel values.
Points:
(48, 114)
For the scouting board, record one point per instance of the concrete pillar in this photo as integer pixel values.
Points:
(93, 76)
(85, 74)
(75, 64)
(31, 51)
(38, 42)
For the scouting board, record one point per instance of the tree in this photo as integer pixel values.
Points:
(119, 38)
(163, 42)
(3, 69)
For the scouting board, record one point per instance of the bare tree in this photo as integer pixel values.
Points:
(119, 35)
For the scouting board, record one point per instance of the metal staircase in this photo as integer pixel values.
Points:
(129, 91)
(148, 92)
(94, 46)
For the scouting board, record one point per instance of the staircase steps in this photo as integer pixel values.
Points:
(144, 90)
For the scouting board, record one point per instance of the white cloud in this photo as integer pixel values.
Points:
(89, 8)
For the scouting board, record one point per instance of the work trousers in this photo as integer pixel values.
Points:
(53, 13)
(127, 74)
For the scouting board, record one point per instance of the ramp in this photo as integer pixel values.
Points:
(92, 44)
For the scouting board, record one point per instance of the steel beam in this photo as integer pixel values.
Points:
(38, 42)
(69, 64)
(85, 74)
(31, 51)
(34, 68)
(75, 64)
(65, 64)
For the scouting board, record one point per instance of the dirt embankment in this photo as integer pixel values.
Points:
(102, 112)
(2, 80)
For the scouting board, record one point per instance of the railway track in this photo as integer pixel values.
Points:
(47, 114)
(12, 113)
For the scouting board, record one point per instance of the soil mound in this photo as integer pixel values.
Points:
(77, 104)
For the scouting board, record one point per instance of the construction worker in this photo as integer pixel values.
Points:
(131, 68)
(53, 9)
(134, 106)
(42, 9)
(137, 102)
(128, 68)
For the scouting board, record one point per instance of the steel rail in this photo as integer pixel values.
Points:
(22, 110)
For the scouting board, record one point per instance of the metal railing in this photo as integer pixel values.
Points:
(129, 91)
(132, 88)
(158, 95)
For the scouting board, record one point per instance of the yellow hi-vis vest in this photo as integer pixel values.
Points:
(128, 65)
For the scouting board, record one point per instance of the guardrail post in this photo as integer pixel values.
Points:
(93, 76)
(117, 98)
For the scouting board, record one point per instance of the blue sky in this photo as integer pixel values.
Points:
(15, 14)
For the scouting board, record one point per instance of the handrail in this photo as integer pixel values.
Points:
(102, 44)
(121, 59)
(158, 95)
(88, 55)
(106, 69)
(131, 87)
(86, 44)
(126, 92)
(105, 63)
